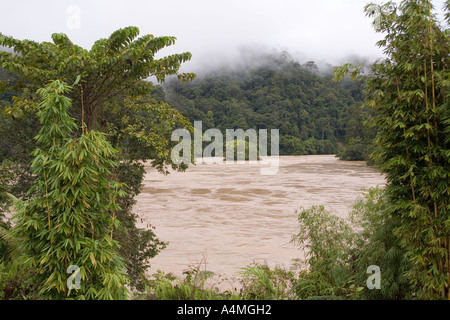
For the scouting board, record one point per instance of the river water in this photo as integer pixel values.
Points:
(225, 217)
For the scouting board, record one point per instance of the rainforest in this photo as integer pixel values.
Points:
(86, 157)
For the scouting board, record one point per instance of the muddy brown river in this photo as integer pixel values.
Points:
(228, 216)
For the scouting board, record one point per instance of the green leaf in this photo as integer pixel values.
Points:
(77, 80)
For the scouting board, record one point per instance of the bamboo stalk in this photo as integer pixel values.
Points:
(112, 227)
(433, 92)
(427, 112)
(46, 199)
(82, 111)
(407, 151)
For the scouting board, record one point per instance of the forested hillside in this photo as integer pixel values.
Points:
(314, 114)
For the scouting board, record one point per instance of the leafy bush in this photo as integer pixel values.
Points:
(338, 252)
(260, 282)
(326, 241)
(376, 244)
(353, 152)
(164, 286)
(16, 282)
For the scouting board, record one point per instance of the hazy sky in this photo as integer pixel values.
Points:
(213, 31)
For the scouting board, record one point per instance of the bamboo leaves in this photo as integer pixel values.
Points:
(410, 95)
(409, 92)
(70, 219)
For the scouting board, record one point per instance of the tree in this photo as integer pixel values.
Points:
(409, 91)
(112, 70)
(71, 219)
(110, 93)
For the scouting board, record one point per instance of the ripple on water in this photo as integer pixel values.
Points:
(200, 191)
(233, 216)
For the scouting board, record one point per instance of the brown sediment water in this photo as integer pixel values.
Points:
(230, 215)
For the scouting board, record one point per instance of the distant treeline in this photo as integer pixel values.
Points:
(314, 114)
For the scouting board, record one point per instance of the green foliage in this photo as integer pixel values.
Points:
(104, 77)
(193, 287)
(71, 218)
(142, 128)
(377, 245)
(241, 150)
(75, 204)
(5, 181)
(9, 245)
(355, 150)
(312, 112)
(323, 237)
(260, 282)
(410, 92)
(5, 178)
(312, 286)
(338, 252)
(17, 129)
(110, 93)
(359, 134)
(15, 282)
(16, 145)
(325, 240)
(137, 245)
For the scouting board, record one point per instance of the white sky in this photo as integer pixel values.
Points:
(213, 31)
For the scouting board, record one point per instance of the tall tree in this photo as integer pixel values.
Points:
(71, 219)
(410, 93)
(110, 93)
(112, 70)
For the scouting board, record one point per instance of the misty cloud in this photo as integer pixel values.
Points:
(215, 32)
